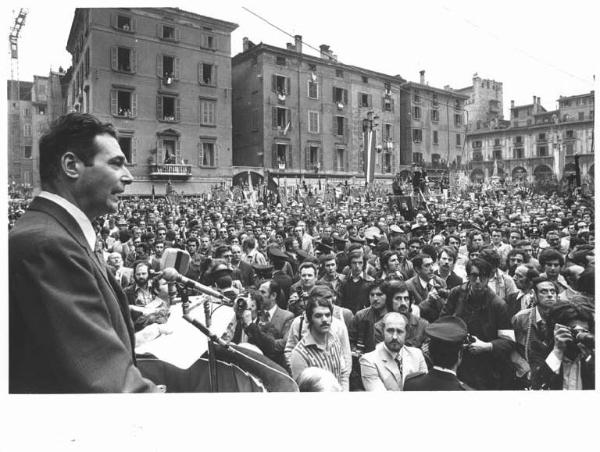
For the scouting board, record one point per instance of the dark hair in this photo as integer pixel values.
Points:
(124, 235)
(430, 251)
(450, 251)
(444, 354)
(315, 299)
(391, 288)
(452, 236)
(193, 239)
(550, 254)
(514, 252)
(491, 256)
(307, 264)
(221, 249)
(417, 261)
(386, 256)
(485, 269)
(565, 313)
(73, 132)
(541, 279)
(586, 282)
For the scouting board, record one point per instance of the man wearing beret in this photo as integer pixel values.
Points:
(447, 336)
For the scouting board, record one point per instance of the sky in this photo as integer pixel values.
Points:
(534, 48)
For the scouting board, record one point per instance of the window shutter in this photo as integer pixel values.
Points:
(159, 112)
(113, 58)
(133, 150)
(383, 104)
(133, 60)
(159, 30)
(133, 24)
(274, 83)
(200, 153)
(113, 101)
(274, 162)
(333, 94)
(214, 75)
(178, 109)
(133, 105)
(177, 69)
(199, 72)
(113, 21)
(177, 34)
(334, 124)
(306, 157)
(392, 105)
(178, 150)
(288, 117)
(160, 151)
(217, 152)
(370, 100)
(288, 157)
(274, 110)
(345, 97)
(159, 65)
(360, 99)
(288, 86)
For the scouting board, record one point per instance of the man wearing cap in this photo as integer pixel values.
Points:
(386, 367)
(447, 336)
(279, 275)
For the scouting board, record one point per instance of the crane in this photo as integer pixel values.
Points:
(13, 40)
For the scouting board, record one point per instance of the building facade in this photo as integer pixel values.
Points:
(485, 103)
(537, 145)
(432, 127)
(302, 116)
(162, 76)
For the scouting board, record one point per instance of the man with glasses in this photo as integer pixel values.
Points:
(485, 362)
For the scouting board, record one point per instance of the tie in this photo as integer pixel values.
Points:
(399, 363)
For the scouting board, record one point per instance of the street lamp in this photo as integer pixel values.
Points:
(281, 168)
(368, 128)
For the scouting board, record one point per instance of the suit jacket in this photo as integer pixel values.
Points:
(272, 336)
(435, 380)
(380, 372)
(285, 282)
(245, 273)
(69, 330)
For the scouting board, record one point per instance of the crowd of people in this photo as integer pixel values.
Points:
(489, 292)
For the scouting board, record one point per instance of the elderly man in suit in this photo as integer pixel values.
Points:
(386, 367)
(70, 330)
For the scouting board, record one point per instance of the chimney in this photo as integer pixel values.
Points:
(325, 52)
(534, 100)
(512, 104)
(539, 101)
(298, 42)
(290, 46)
(422, 77)
(245, 45)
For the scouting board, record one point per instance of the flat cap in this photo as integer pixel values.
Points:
(448, 329)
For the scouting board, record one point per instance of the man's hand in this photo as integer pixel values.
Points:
(479, 346)
(562, 336)
(246, 318)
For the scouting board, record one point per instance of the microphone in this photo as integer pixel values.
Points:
(172, 275)
(213, 337)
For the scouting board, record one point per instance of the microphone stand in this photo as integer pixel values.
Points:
(212, 358)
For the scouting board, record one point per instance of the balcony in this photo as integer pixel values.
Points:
(170, 171)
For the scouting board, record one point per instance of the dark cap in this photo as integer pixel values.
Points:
(448, 329)
(276, 253)
(220, 270)
(323, 246)
(263, 271)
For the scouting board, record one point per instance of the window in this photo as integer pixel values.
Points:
(280, 61)
(581, 116)
(339, 159)
(387, 104)
(123, 59)
(169, 33)
(518, 139)
(541, 137)
(313, 89)
(416, 113)
(457, 120)
(569, 148)
(27, 152)
(515, 114)
(281, 151)
(387, 162)
(435, 159)
(280, 84)
(435, 115)
(339, 125)
(496, 141)
(340, 96)
(123, 102)
(457, 104)
(387, 132)
(458, 140)
(168, 68)
(208, 41)
(208, 109)
(364, 100)
(477, 144)
(27, 130)
(497, 154)
(207, 74)
(365, 79)
(42, 109)
(127, 144)
(434, 100)
(168, 149)
(417, 157)
(569, 134)
(312, 67)
(435, 137)
(207, 155)
(339, 73)
(312, 157)
(168, 108)
(313, 121)
(417, 135)
(477, 155)
(542, 151)
(518, 153)
(124, 23)
(281, 118)
(416, 97)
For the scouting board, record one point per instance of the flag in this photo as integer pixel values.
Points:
(287, 127)
(369, 156)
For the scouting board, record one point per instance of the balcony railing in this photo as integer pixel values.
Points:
(170, 170)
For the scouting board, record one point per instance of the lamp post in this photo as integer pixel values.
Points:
(368, 129)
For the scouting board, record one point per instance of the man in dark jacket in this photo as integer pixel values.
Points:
(485, 362)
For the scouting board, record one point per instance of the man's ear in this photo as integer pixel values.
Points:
(70, 165)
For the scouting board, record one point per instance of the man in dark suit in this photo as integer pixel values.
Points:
(69, 325)
(423, 287)
(242, 271)
(447, 336)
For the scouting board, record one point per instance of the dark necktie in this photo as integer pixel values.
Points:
(399, 363)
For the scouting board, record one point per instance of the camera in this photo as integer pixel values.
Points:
(241, 304)
(584, 337)
(469, 339)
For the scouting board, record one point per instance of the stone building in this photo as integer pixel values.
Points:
(301, 116)
(537, 145)
(162, 76)
(484, 107)
(432, 127)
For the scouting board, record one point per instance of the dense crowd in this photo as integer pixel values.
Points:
(362, 288)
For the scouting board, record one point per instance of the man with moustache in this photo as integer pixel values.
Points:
(145, 302)
(446, 267)
(386, 367)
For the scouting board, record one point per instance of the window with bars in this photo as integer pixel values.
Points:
(518, 153)
(435, 115)
(340, 125)
(417, 157)
(313, 89)
(416, 113)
